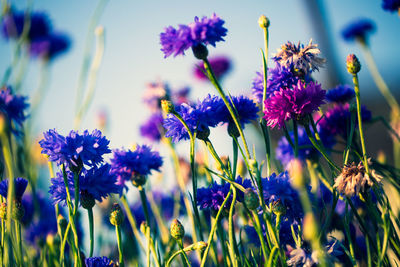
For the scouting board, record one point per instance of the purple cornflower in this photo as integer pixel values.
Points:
(337, 120)
(135, 165)
(278, 188)
(206, 31)
(340, 94)
(50, 46)
(13, 107)
(358, 29)
(246, 110)
(12, 25)
(278, 77)
(213, 196)
(294, 104)
(300, 59)
(98, 262)
(20, 185)
(75, 149)
(285, 152)
(220, 65)
(391, 5)
(153, 129)
(97, 183)
(198, 117)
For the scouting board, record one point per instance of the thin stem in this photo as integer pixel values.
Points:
(19, 242)
(91, 231)
(185, 259)
(119, 240)
(214, 81)
(132, 221)
(232, 244)
(357, 91)
(296, 139)
(260, 235)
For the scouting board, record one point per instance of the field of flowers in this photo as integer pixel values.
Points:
(315, 198)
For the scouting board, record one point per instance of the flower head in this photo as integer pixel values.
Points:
(391, 5)
(13, 23)
(206, 31)
(130, 165)
(293, 104)
(50, 46)
(75, 149)
(220, 65)
(299, 58)
(20, 185)
(96, 183)
(152, 129)
(213, 196)
(98, 262)
(340, 94)
(358, 29)
(13, 106)
(247, 110)
(353, 179)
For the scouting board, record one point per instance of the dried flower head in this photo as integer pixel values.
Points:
(354, 179)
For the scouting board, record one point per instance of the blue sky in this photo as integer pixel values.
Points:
(133, 58)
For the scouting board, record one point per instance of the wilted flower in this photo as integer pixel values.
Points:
(358, 29)
(220, 65)
(293, 104)
(204, 31)
(299, 58)
(354, 179)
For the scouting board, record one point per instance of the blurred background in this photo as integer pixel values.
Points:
(132, 56)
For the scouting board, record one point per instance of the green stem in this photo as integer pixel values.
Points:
(144, 204)
(185, 259)
(19, 242)
(232, 244)
(357, 91)
(257, 226)
(132, 221)
(119, 240)
(214, 81)
(91, 231)
(213, 229)
(296, 139)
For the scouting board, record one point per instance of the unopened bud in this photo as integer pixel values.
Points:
(233, 130)
(18, 211)
(3, 211)
(62, 222)
(116, 215)
(138, 180)
(143, 227)
(200, 246)
(251, 199)
(278, 208)
(167, 106)
(310, 229)
(263, 22)
(241, 168)
(87, 200)
(177, 230)
(353, 64)
(200, 51)
(203, 134)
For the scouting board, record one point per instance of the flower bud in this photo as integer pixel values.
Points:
(241, 168)
(200, 246)
(177, 230)
(251, 199)
(167, 106)
(353, 64)
(18, 211)
(116, 215)
(143, 227)
(62, 222)
(3, 211)
(263, 22)
(278, 208)
(203, 134)
(87, 200)
(138, 180)
(200, 51)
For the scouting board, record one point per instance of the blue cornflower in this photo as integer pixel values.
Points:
(98, 262)
(12, 25)
(358, 29)
(213, 196)
(337, 120)
(153, 129)
(391, 5)
(285, 152)
(278, 77)
(75, 149)
(97, 183)
(20, 185)
(340, 94)
(135, 165)
(247, 110)
(278, 188)
(206, 31)
(39, 229)
(13, 107)
(300, 59)
(50, 46)
(198, 117)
